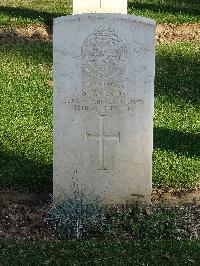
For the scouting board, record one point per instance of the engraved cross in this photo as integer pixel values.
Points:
(102, 137)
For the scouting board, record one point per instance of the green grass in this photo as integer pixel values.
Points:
(177, 116)
(18, 12)
(100, 253)
(26, 116)
(26, 133)
(167, 11)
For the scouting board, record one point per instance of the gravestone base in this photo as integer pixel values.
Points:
(103, 106)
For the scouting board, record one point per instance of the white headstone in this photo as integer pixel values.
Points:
(99, 6)
(103, 105)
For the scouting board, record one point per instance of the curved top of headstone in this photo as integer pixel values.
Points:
(131, 18)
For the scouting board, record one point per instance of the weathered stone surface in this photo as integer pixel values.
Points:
(100, 6)
(103, 105)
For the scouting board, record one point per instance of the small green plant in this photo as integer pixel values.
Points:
(140, 222)
(77, 216)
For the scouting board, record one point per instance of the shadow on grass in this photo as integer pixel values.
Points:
(18, 171)
(183, 7)
(26, 13)
(187, 144)
(40, 51)
(177, 72)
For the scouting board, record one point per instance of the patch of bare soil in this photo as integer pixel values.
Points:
(177, 33)
(22, 213)
(164, 33)
(35, 32)
(22, 216)
(177, 196)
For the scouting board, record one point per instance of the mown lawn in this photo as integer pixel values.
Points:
(177, 116)
(167, 11)
(18, 12)
(100, 253)
(26, 115)
(26, 131)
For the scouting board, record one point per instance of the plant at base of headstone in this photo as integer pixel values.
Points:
(77, 216)
(141, 222)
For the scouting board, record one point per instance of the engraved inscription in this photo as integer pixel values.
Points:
(103, 54)
(111, 97)
(94, 101)
(102, 137)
